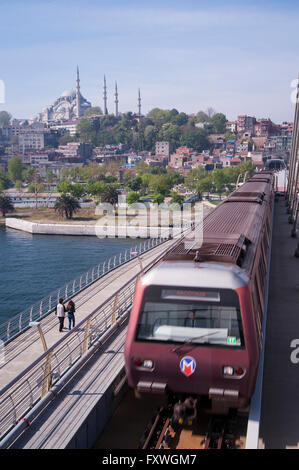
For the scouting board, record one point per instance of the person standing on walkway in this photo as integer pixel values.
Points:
(60, 312)
(70, 313)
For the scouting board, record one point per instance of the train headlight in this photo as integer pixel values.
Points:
(144, 363)
(228, 370)
(148, 363)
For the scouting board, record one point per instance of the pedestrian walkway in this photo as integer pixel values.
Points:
(280, 399)
(27, 347)
(59, 422)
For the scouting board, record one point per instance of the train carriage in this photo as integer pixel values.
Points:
(195, 327)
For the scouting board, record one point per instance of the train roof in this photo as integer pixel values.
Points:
(231, 231)
(207, 275)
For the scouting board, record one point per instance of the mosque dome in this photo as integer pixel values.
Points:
(68, 94)
(70, 105)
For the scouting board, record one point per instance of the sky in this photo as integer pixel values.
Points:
(238, 57)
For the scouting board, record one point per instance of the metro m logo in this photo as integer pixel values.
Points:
(187, 365)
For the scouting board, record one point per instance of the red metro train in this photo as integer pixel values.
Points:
(195, 328)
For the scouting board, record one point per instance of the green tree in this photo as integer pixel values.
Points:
(174, 177)
(50, 177)
(65, 139)
(18, 185)
(66, 206)
(228, 135)
(219, 180)
(128, 176)
(150, 136)
(160, 184)
(74, 173)
(158, 114)
(5, 182)
(135, 184)
(97, 188)
(146, 177)
(205, 185)
(36, 187)
(176, 198)
(86, 130)
(218, 122)
(6, 204)
(15, 169)
(77, 190)
(132, 197)
(193, 177)
(180, 119)
(128, 122)
(29, 175)
(170, 133)
(141, 167)
(158, 198)
(5, 118)
(110, 194)
(64, 186)
(195, 138)
(93, 111)
(202, 117)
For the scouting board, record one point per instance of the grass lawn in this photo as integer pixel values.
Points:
(47, 215)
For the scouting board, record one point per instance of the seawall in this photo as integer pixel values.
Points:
(97, 229)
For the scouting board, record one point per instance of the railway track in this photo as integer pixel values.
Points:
(206, 432)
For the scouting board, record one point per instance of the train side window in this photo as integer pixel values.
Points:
(257, 318)
(259, 302)
(262, 273)
(265, 244)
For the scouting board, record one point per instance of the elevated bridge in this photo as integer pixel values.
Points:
(61, 393)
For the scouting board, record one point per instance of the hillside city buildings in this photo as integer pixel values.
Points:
(250, 139)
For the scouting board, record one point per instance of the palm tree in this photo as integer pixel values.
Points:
(66, 206)
(110, 194)
(6, 204)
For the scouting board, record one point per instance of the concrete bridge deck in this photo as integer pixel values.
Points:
(280, 399)
(62, 419)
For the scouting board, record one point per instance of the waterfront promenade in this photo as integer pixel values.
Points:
(27, 347)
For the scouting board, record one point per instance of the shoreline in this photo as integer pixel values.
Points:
(117, 227)
(100, 231)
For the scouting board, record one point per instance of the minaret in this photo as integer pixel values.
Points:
(78, 101)
(105, 110)
(139, 103)
(116, 101)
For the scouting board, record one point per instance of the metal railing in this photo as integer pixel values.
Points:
(20, 322)
(19, 396)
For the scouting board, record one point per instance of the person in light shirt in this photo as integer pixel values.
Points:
(60, 312)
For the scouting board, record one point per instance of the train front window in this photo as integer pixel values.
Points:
(195, 316)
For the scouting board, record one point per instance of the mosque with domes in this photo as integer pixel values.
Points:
(71, 105)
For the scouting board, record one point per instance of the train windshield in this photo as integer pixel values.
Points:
(194, 316)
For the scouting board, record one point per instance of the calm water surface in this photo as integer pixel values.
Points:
(31, 266)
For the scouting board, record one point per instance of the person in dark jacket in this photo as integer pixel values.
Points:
(71, 313)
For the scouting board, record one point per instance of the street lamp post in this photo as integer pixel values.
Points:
(135, 253)
(47, 377)
(36, 324)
